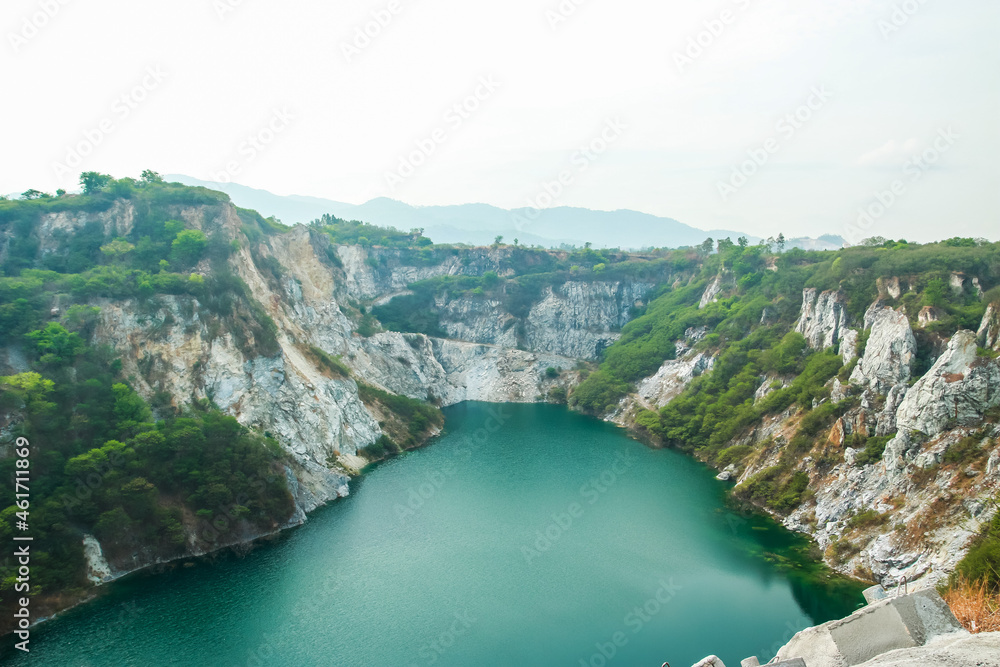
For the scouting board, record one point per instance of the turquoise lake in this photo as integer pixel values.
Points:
(525, 535)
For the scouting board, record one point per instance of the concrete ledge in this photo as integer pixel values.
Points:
(898, 623)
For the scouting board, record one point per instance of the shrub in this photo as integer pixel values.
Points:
(982, 563)
(964, 451)
(734, 454)
(873, 450)
(557, 395)
(867, 519)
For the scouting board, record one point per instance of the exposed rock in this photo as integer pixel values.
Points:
(959, 388)
(957, 283)
(478, 321)
(885, 421)
(989, 331)
(888, 287)
(929, 314)
(837, 391)
(838, 433)
(823, 318)
(889, 351)
(578, 319)
(977, 287)
(98, 570)
(993, 465)
(712, 292)
(849, 345)
(116, 221)
(673, 378)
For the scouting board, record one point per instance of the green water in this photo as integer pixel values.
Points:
(527, 535)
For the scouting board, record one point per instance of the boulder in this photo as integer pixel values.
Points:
(959, 388)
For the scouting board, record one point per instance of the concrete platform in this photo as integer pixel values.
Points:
(888, 625)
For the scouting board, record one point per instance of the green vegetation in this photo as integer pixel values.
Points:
(867, 519)
(966, 451)
(748, 330)
(982, 563)
(528, 274)
(102, 465)
(409, 421)
(871, 448)
(328, 362)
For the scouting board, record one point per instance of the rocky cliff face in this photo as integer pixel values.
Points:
(889, 352)
(175, 344)
(823, 321)
(989, 331)
(574, 319)
(957, 390)
(927, 508)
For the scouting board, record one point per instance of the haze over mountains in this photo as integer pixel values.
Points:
(480, 224)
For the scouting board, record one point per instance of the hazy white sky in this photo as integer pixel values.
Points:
(670, 97)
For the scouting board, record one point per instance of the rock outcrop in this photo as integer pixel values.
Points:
(580, 320)
(989, 331)
(823, 320)
(889, 351)
(958, 390)
(712, 292)
(575, 319)
(672, 378)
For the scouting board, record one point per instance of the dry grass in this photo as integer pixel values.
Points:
(974, 605)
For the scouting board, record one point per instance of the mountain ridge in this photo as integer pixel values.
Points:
(480, 223)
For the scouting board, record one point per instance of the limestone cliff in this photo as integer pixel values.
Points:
(575, 319)
(823, 321)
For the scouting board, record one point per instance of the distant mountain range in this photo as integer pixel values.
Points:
(480, 224)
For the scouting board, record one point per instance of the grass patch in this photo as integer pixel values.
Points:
(975, 605)
(867, 519)
(330, 363)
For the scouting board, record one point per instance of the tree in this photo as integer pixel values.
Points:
(707, 246)
(33, 194)
(149, 176)
(743, 241)
(498, 240)
(188, 247)
(117, 248)
(55, 344)
(94, 182)
(781, 243)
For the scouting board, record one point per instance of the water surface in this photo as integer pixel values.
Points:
(527, 535)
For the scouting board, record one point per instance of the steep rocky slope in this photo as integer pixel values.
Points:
(911, 510)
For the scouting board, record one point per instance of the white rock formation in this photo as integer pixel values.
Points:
(823, 320)
(575, 319)
(712, 292)
(989, 331)
(672, 378)
(890, 349)
(959, 388)
(98, 570)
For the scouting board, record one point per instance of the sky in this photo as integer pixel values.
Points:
(853, 117)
